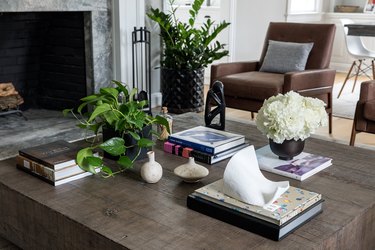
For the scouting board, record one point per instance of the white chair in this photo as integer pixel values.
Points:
(357, 49)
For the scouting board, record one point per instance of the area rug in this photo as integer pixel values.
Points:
(344, 106)
(42, 126)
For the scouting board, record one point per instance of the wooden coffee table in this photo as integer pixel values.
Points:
(126, 213)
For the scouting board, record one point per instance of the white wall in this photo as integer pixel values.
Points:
(127, 14)
(251, 23)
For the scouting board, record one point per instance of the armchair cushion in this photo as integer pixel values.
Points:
(369, 110)
(282, 57)
(253, 85)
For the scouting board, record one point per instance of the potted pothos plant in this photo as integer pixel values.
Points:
(115, 109)
(187, 49)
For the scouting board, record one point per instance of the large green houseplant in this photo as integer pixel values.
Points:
(187, 50)
(114, 109)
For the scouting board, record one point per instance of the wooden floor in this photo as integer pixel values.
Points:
(341, 127)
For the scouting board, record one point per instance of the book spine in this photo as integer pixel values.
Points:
(35, 174)
(36, 159)
(72, 178)
(193, 145)
(36, 168)
(235, 218)
(300, 209)
(187, 152)
(202, 157)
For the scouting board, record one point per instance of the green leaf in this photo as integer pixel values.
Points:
(145, 143)
(107, 171)
(82, 154)
(81, 106)
(109, 91)
(67, 111)
(134, 135)
(114, 146)
(121, 87)
(92, 163)
(132, 93)
(110, 117)
(99, 110)
(125, 162)
(162, 121)
(87, 161)
(142, 103)
(94, 160)
(89, 98)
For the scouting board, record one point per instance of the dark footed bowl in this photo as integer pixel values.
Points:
(288, 149)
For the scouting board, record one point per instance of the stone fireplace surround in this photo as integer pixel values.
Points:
(98, 32)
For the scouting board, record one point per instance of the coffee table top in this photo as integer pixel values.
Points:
(138, 215)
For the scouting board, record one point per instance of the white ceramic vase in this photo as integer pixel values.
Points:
(151, 171)
(190, 171)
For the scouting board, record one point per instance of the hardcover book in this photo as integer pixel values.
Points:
(55, 155)
(294, 208)
(46, 171)
(58, 182)
(208, 140)
(203, 157)
(251, 223)
(300, 167)
(288, 205)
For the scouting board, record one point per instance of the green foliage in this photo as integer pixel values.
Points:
(113, 108)
(185, 46)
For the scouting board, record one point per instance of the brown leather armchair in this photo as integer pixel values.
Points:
(245, 87)
(364, 117)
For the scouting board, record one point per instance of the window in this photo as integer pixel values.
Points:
(303, 6)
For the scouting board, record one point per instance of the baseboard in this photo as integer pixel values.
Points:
(340, 67)
(156, 99)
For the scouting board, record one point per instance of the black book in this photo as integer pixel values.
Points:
(55, 155)
(251, 223)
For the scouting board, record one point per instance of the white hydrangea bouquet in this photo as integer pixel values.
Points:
(291, 116)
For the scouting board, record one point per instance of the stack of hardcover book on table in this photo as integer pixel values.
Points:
(53, 162)
(275, 221)
(205, 144)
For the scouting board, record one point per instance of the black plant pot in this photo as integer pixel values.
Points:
(109, 133)
(288, 149)
(183, 90)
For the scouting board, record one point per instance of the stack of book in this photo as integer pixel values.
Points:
(53, 162)
(275, 221)
(205, 144)
(300, 167)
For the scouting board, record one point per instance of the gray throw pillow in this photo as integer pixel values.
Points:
(282, 57)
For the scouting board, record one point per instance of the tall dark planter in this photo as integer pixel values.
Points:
(129, 140)
(182, 90)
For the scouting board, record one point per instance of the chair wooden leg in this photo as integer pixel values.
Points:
(252, 115)
(373, 69)
(356, 75)
(330, 123)
(354, 133)
(347, 78)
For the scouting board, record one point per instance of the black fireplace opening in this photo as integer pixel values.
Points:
(43, 55)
